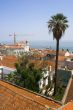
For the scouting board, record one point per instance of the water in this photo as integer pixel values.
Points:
(47, 44)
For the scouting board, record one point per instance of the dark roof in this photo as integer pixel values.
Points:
(69, 64)
(61, 64)
(49, 56)
(15, 98)
(63, 77)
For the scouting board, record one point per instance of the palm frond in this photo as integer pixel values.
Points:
(57, 25)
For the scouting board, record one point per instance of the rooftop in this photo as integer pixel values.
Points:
(70, 93)
(18, 45)
(16, 98)
(68, 106)
(8, 61)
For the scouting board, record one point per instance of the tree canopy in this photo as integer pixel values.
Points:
(26, 75)
(57, 25)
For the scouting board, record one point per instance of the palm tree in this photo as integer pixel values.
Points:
(57, 25)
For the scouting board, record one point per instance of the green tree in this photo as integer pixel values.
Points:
(57, 25)
(26, 75)
(10, 77)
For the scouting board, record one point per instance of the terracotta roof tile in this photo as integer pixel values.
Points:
(70, 93)
(8, 61)
(68, 106)
(14, 98)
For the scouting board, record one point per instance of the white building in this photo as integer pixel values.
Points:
(44, 80)
(47, 75)
(17, 49)
(67, 56)
(5, 71)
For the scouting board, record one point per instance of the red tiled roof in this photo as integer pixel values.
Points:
(14, 98)
(68, 106)
(60, 58)
(8, 61)
(70, 93)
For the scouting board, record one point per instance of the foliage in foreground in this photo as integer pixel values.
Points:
(59, 94)
(26, 75)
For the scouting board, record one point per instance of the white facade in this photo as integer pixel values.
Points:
(26, 48)
(6, 70)
(18, 50)
(68, 59)
(67, 54)
(72, 72)
(44, 81)
(15, 49)
(41, 84)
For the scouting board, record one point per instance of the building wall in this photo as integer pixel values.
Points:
(6, 70)
(44, 80)
(15, 49)
(26, 48)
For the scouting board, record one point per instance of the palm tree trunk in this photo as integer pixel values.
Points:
(56, 66)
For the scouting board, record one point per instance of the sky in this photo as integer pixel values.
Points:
(28, 19)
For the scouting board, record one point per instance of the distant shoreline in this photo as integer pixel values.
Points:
(52, 45)
(48, 44)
